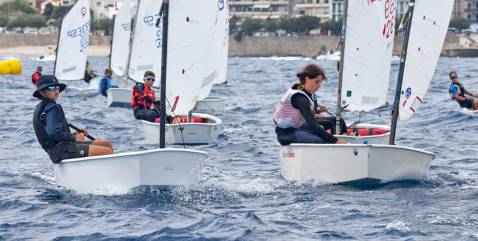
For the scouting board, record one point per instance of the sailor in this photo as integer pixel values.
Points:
(52, 128)
(144, 104)
(105, 82)
(458, 93)
(295, 114)
(89, 73)
(36, 75)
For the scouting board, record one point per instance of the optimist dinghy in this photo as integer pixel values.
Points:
(469, 112)
(331, 163)
(185, 76)
(118, 173)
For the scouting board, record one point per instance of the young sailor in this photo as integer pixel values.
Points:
(52, 129)
(36, 75)
(144, 98)
(105, 83)
(295, 114)
(89, 73)
(458, 93)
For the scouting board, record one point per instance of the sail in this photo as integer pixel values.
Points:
(146, 46)
(189, 43)
(368, 53)
(121, 38)
(73, 42)
(216, 69)
(427, 35)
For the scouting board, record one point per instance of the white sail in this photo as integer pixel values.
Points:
(427, 35)
(368, 53)
(146, 48)
(189, 41)
(121, 37)
(73, 42)
(216, 70)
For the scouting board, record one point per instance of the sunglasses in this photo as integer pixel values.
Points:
(52, 88)
(453, 77)
(150, 79)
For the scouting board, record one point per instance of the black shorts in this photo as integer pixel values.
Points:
(69, 150)
(468, 103)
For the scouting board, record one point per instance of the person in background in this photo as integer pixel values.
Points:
(89, 73)
(36, 75)
(295, 114)
(105, 83)
(52, 128)
(460, 94)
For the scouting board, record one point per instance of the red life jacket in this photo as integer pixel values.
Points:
(138, 101)
(35, 78)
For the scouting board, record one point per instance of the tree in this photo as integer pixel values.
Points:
(104, 24)
(48, 11)
(251, 26)
(459, 23)
(271, 25)
(305, 24)
(16, 6)
(35, 21)
(3, 21)
(60, 11)
(334, 26)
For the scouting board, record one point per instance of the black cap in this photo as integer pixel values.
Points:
(46, 81)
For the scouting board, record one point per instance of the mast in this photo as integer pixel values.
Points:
(131, 38)
(164, 61)
(111, 41)
(408, 18)
(338, 112)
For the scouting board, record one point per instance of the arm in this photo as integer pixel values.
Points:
(55, 126)
(455, 95)
(302, 103)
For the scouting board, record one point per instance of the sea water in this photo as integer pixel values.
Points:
(242, 195)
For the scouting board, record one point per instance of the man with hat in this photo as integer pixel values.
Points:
(52, 129)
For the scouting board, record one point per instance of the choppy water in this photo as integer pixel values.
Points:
(242, 195)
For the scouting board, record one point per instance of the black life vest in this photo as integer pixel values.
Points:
(39, 122)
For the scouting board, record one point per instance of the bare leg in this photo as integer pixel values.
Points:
(99, 150)
(105, 143)
(475, 104)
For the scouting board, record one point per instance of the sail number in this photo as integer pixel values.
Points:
(150, 21)
(83, 33)
(390, 18)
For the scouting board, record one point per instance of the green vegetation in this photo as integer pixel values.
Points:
(459, 24)
(16, 6)
(36, 21)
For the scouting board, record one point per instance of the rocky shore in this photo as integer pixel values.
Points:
(307, 46)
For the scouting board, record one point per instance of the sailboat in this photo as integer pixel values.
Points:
(424, 37)
(73, 42)
(367, 55)
(190, 43)
(119, 59)
(119, 173)
(217, 62)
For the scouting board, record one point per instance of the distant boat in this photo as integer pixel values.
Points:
(73, 43)
(335, 56)
(45, 58)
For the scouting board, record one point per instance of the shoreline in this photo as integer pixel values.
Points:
(35, 51)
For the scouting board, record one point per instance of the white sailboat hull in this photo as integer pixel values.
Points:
(119, 97)
(367, 139)
(211, 104)
(94, 82)
(118, 173)
(326, 163)
(470, 112)
(193, 133)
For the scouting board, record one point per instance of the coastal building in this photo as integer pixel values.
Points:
(262, 9)
(466, 9)
(317, 8)
(337, 9)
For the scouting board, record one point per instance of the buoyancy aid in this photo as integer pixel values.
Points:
(138, 101)
(39, 123)
(35, 77)
(461, 90)
(286, 116)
